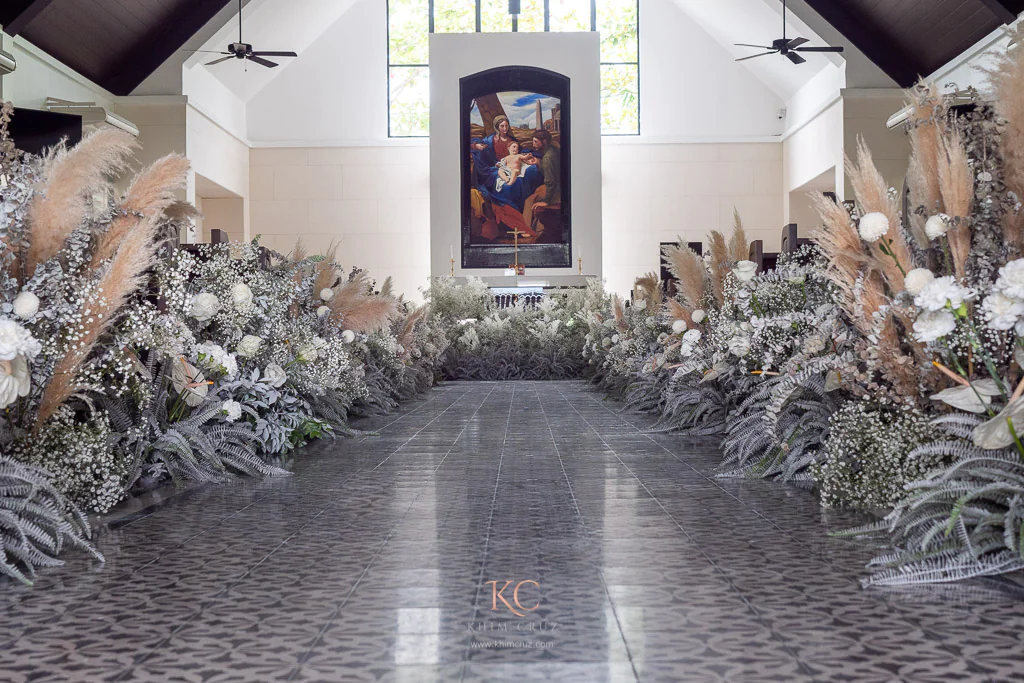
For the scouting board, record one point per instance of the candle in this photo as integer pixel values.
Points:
(451, 251)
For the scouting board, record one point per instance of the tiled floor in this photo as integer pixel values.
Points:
(373, 563)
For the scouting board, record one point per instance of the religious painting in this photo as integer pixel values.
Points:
(515, 169)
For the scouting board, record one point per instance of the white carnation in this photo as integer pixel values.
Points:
(348, 336)
(249, 346)
(678, 327)
(942, 291)
(241, 296)
(1001, 311)
(698, 316)
(917, 279)
(933, 325)
(15, 380)
(232, 410)
(873, 226)
(274, 375)
(1011, 279)
(936, 226)
(692, 336)
(214, 357)
(322, 311)
(16, 341)
(204, 306)
(26, 305)
(745, 270)
(326, 294)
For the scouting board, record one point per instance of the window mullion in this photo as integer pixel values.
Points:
(547, 15)
(430, 16)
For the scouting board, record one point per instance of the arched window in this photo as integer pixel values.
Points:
(410, 23)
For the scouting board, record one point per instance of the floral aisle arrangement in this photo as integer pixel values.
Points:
(126, 362)
(884, 365)
(525, 341)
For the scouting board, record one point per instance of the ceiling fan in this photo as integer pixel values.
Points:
(241, 50)
(788, 47)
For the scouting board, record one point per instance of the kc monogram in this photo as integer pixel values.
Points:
(499, 595)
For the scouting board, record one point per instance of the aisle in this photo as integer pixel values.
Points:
(373, 563)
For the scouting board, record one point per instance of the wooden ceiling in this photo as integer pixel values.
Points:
(118, 43)
(912, 38)
(115, 43)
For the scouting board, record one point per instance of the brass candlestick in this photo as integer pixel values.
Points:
(520, 269)
(581, 265)
(452, 260)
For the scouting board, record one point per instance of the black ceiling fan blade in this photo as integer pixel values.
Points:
(797, 42)
(212, 52)
(218, 61)
(837, 48)
(261, 61)
(261, 53)
(761, 47)
(795, 58)
(743, 59)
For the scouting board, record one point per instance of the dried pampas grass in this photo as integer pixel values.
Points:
(739, 247)
(408, 333)
(925, 133)
(326, 276)
(356, 310)
(1007, 80)
(388, 287)
(873, 196)
(688, 268)
(719, 264)
(676, 311)
(150, 195)
(957, 185)
(123, 276)
(70, 179)
(838, 238)
(649, 288)
(620, 313)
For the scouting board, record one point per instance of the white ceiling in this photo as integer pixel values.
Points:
(759, 22)
(295, 24)
(273, 25)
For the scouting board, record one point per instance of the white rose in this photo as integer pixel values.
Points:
(348, 336)
(745, 270)
(698, 316)
(615, 339)
(797, 279)
(678, 327)
(1001, 311)
(249, 346)
(873, 226)
(326, 294)
(1011, 279)
(918, 279)
(189, 382)
(936, 226)
(322, 311)
(232, 410)
(16, 341)
(739, 346)
(274, 375)
(692, 336)
(241, 296)
(641, 305)
(941, 291)
(204, 306)
(933, 325)
(26, 305)
(15, 380)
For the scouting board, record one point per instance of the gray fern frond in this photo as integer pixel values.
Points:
(36, 522)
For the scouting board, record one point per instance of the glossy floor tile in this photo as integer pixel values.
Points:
(492, 532)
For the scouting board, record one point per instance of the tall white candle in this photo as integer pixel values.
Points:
(451, 250)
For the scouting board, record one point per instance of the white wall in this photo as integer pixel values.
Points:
(814, 149)
(39, 76)
(454, 56)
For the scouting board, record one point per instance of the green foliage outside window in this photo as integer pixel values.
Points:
(409, 25)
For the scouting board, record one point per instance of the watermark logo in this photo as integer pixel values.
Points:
(516, 607)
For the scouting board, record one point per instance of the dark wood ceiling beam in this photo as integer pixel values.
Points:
(17, 24)
(154, 49)
(1001, 10)
(901, 66)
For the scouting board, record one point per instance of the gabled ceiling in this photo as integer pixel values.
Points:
(909, 39)
(114, 43)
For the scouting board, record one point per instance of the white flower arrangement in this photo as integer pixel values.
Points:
(26, 305)
(936, 226)
(249, 346)
(873, 226)
(745, 270)
(241, 296)
(204, 306)
(232, 410)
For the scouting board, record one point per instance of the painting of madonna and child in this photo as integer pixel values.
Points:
(515, 181)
